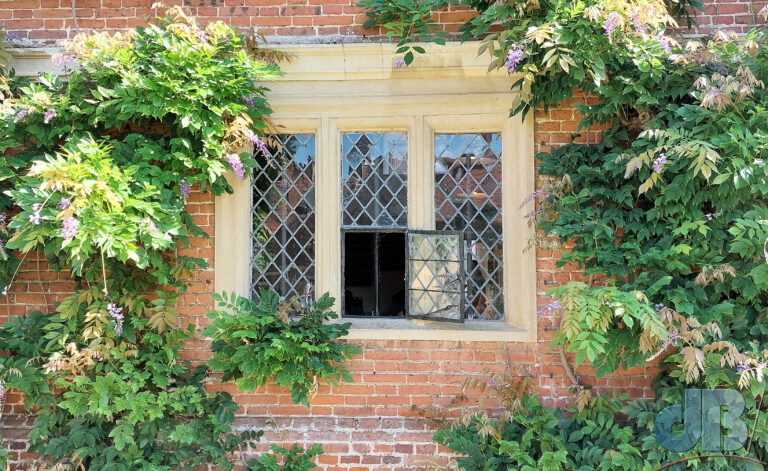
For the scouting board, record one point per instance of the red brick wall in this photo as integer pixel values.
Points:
(734, 15)
(47, 21)
(369, 424)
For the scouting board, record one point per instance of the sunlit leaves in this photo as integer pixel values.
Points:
(255, 342)
(96, 170)
(294, 459)
(598, 321)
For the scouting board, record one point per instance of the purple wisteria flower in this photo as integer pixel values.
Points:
(536, 195)
(261, 145)
(637, 23)
(249, 100)
(64, 203)
(21, 114)
(664, 41)
(34, 218)
(514, 57)
(149, 225)
(116, 313)
(492, 382)
(69, 228)
(236, 164)
(49, 115)
(673, 338)
(185, 189)
(549, 309)
(611, 23)
(660, 160)
(202, 36)
(59, 61)
(658, 307)
(741, 367)
(399, 63)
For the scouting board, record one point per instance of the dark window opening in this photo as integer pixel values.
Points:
(374, 274)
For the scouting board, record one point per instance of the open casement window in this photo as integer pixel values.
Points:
(435, 275)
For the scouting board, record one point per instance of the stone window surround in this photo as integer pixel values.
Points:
(330, 89)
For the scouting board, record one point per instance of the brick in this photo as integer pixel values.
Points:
(334, 20)
(300, 10)
(271, 21)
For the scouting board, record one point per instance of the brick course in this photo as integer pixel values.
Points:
(48, 21)
(372, 423)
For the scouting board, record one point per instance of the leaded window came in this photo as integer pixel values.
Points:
(283, 235)
(468, 199)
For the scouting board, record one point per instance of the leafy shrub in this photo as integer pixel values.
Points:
(255, 342)
(527, 441)
(607, 434)
(536, 437)
(667, 215)
(98, 172)
(679, 215)
(126, 407)
(553, 47)
(295, 459)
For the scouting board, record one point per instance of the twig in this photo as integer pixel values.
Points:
(568, 368)
(754, 427)
(74, 16)
(40, 282)
(104, 273)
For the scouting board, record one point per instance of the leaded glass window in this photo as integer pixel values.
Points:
(284, 218)
(374, 182)
(468, 199)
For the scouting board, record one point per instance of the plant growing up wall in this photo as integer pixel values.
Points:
(96, 175)
(666, 215)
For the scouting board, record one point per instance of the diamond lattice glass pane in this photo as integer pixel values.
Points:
(374, 182)
(284, 218)
(435, 276)
(468, 199)
(434, 304)
(433, 248)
